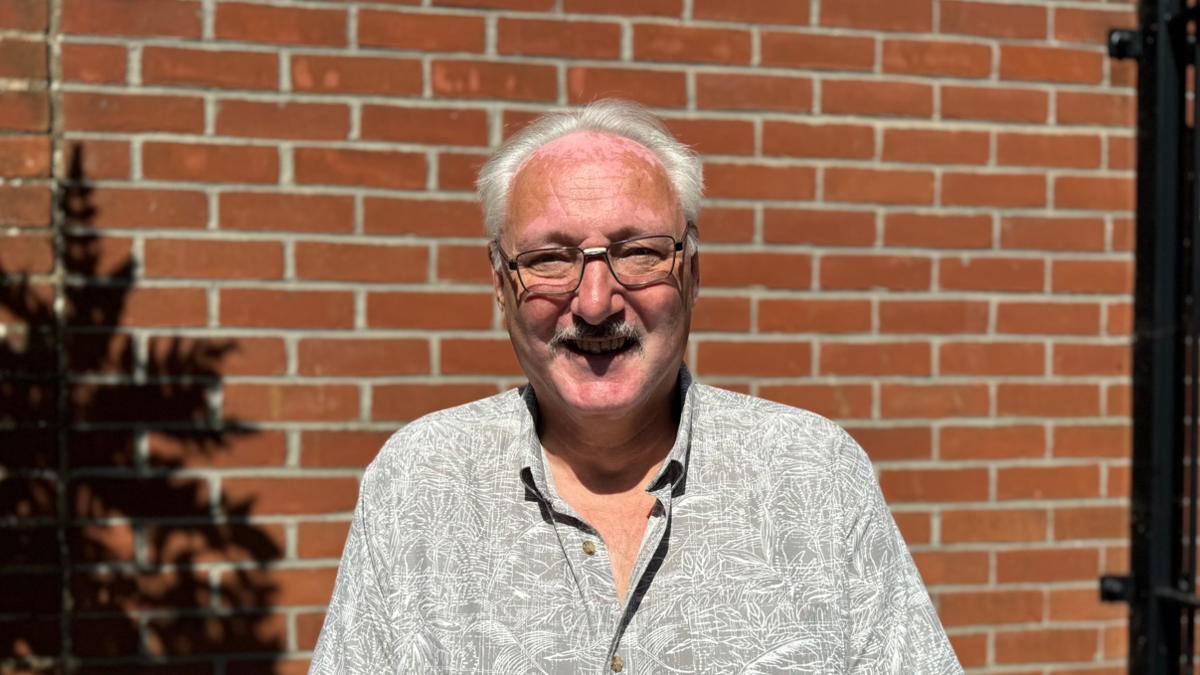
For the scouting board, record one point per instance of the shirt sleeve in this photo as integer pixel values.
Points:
(357, 638)
(892, 625)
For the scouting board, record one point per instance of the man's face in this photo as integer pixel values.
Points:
(590, 190)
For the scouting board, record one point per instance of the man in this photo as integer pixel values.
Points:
(613, 516)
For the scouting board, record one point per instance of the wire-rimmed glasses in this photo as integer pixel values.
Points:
(559, 271)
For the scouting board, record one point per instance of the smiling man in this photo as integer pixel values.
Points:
(614, 516)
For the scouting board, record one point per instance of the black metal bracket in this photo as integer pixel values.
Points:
(1114, 588)
(1125, 44)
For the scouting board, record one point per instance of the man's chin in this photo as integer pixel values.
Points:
(602, 398)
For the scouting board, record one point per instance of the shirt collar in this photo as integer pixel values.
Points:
(672, 474)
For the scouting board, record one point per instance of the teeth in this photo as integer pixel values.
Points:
(601, 346)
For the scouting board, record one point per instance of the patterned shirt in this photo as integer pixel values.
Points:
(769, 550)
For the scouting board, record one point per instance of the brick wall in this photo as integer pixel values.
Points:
(268, 258)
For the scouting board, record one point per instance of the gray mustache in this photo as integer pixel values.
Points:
(613, 330)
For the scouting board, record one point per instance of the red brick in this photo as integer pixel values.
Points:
(933, 316)
(1122, 154)
(240, 356)
(469, 264)
(436, 126)
(874, 97)
(834, 401)
(991, 442)
(370, 263)
(715, 137)
(1070, 604)
(458, 170)
(339, 448)
(527, 5)
(410, 401)
(1120, 319)
(1046, 644)
(87, 111)
(990, 607)
(914, 527)
(1093, 441)
(1047, 400)
(252, 449)
(933, 401)
(24, 156)
(1091, 522)
(937, 231)
(993, 20)
(478, 357)
(1003, 190)
(1075, 151)
(659, 42)
(992, 274)
(94, 64)
(212, 259)
(288, 212)
(753, 92)
(888, 443)
(329, 74)
(432, 217)
(1092, 276)
(286, 309)
(131, 17)
(934, 485)
(280, 25)
(1078, 107)
(259, 119)
(23, 59)
(971, 649)
(992, 358)
(263, 402)
(422, 32)
(1048, 318)
(770, 270)
(485, 79)
(363, 358)
(322, 539)
(952, 567)
(25, 205)
(292, 495)
(1094, 192)
(210, 163)
(149, 208)
(814, 316)
(384, 168)
(238, 633)
(834, 52)
(752, 181)
(1050, 64)
(99, 159)
(24, 111)
(995, 104)
(846, 141)
(878, 186)
(721, 314)
(876, 358)
(289, 587)
(650, 87)
(1073, 24)
(1052, 234)
(936, 147)
(1048, 482)
(993, 526)
(572, 39)
(1040, 565)
(625, 7)
(926, 57)
(142, 306)
(721, 224)
(775, 12)
(763, 359)
(207, 68)
(912, 16)
(1119, 481)
(430, 310)
(821, 227)
(862, 272)
(25, 15)
(25, 254)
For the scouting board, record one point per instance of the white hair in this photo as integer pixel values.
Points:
(612, 116)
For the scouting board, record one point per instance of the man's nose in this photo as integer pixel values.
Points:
(599, 295)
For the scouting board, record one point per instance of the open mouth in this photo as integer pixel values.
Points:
(598, 347)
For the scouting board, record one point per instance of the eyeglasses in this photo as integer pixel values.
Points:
(559, 271)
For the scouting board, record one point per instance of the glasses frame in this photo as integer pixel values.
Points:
(511, 263)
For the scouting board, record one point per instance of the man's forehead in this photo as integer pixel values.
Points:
(592, 147)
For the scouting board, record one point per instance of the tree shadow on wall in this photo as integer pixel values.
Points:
(136, 428)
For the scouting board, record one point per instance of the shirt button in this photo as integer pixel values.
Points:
(618, 664)
(590, 549)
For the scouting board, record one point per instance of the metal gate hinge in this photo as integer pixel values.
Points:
(1124, 44)
(1114, 588)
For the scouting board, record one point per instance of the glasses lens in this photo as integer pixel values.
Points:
(642, 261)
(550, 270)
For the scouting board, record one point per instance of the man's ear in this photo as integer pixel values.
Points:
(694, 268)
(499, 278)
